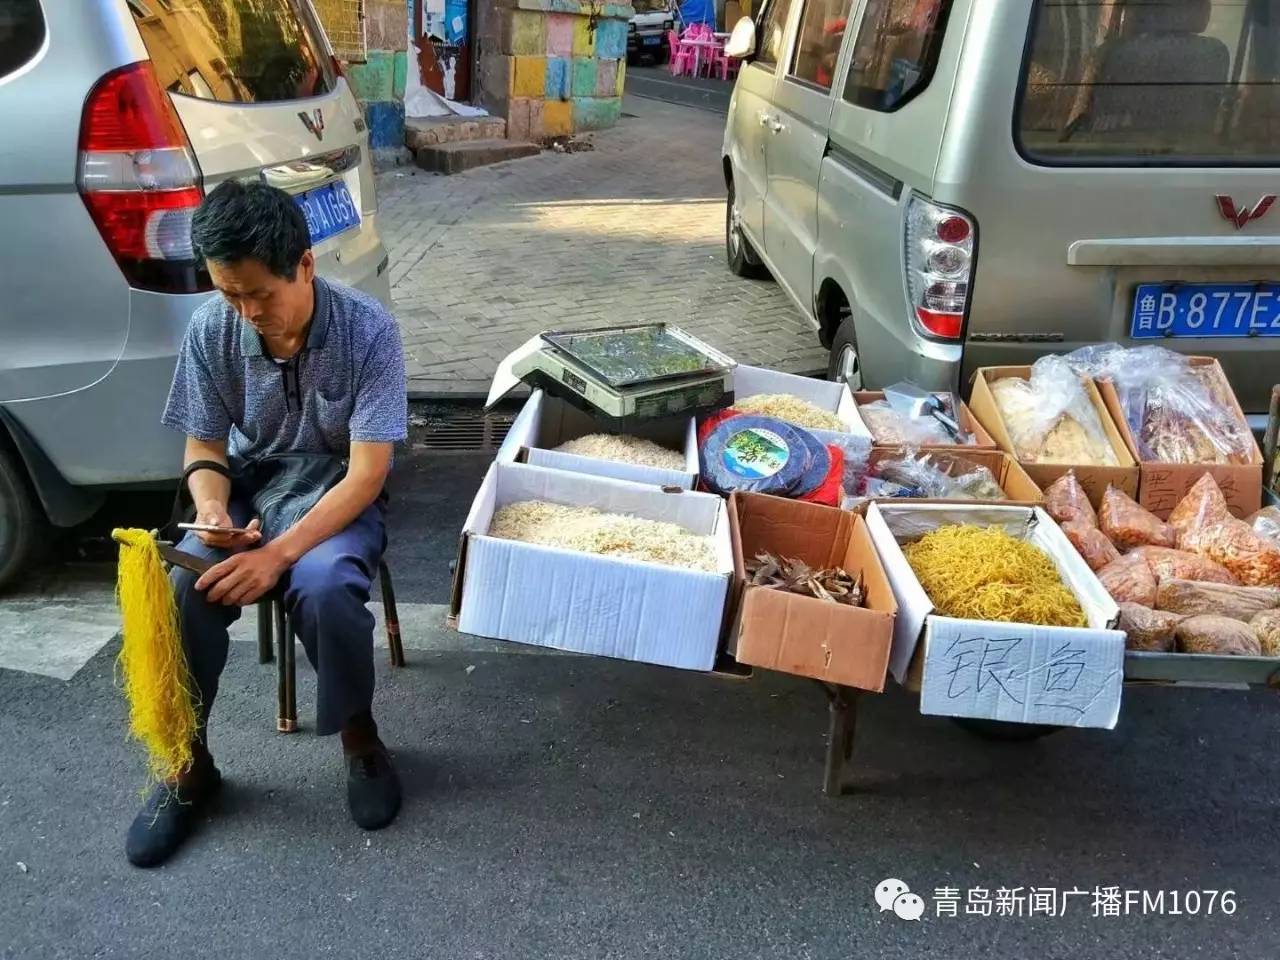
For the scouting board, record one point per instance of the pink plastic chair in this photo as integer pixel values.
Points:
(681, 56)
(725, 64)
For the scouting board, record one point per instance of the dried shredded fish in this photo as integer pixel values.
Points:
(783, 406)
(609, 534)
(623, 448)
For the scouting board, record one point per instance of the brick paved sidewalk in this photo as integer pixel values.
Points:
(630, 231)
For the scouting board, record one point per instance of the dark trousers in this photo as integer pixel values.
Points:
(325, 592)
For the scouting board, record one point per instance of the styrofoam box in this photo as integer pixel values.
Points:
(545, 422)
(833, 397)
(587, 603)
(1003, 671)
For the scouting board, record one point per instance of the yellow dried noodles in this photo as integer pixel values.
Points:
(979, 573)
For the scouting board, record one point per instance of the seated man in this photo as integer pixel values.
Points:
(282, 362)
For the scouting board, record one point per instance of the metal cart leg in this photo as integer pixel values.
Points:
(286, 694)
(264, 631)
(842, 719)
(391, 617)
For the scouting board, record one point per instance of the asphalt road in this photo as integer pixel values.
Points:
(564, 807)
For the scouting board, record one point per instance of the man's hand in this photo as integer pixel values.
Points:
(244, 578)
(214, 513)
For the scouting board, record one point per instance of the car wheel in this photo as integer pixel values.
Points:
(844, 365)
(1003, 731)
(22, 522)
(742, 257)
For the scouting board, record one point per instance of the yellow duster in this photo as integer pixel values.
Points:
(162, 709)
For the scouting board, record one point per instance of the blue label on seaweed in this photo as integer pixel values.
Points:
(755, 453)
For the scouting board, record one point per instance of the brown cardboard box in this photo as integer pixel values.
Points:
(804, 635)
(1162, 485)
(968, 422)
(1094, 479)
(1014, 481)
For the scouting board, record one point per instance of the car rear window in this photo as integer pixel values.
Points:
(1180, 82)
(21, 34)
(234, 51)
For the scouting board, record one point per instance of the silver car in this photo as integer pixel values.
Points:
(118, 116)
(946, 184)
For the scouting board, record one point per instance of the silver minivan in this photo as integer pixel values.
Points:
(946, 184)
(118, 115)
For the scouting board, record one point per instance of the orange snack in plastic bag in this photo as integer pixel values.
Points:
(1252, 559)
(1129, 580)
(1202, 505)
(1091, 543)
(1167, 564)
(1128, 524)
(1065, 501)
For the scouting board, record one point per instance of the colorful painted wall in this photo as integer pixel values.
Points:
(379, 81)
(553, 67)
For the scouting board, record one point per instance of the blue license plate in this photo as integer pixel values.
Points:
(652, 41)
(328, 210)
(1205, 310)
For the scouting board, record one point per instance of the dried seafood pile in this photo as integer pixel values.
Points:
(832, 584)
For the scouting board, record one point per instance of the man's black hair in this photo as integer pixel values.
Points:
(240, 221)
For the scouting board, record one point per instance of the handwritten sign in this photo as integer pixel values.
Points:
(1023, 674)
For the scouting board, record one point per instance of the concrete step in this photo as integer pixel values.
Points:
(467, 154)
(432, 131)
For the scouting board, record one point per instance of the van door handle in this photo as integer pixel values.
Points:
(764, 118)
(776, 125)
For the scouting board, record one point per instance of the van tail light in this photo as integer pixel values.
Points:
(939, 266)
(139, 179)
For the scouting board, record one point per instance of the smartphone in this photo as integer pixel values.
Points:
(210, 528)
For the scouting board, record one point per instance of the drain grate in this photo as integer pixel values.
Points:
(462, 432)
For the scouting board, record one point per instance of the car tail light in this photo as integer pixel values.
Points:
(939, 265)
(140, 181)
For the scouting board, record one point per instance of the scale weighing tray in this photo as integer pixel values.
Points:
(623, 374)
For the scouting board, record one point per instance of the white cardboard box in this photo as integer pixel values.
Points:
(545, 422)
(1003, 671)
(833, 397)
(587, 603)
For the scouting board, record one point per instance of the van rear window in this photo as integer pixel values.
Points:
(21, 34)
(1178, 81)
(235, 51)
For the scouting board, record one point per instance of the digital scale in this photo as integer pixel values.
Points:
(622, 374)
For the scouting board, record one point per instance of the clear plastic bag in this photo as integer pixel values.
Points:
(1266, 523)
(857, 452)
(939, 477)
(1252, 559)
(1129, 524)
(1200, 506)
(1129, 580)
(1065, 501)
(1177, 412)
(1091, 543)
(888, 426)
(1168, 564)
(1051, 418)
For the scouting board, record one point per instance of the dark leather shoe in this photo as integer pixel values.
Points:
(168, 817)
(373, 789)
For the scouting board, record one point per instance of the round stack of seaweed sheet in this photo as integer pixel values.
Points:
(763, 455)
(983, 573)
